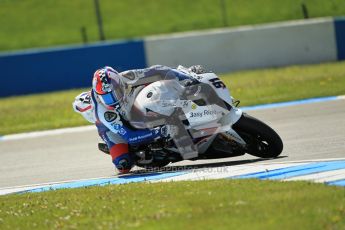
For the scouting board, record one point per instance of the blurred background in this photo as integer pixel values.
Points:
(44, 23)
(264, 51)
(49, 49)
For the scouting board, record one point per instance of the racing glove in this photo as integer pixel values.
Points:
(168, 131)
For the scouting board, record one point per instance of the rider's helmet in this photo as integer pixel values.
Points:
(108, 86)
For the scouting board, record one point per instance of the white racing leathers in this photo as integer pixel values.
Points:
(122, 125)
(135, 81)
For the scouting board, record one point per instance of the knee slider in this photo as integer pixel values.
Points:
(123, 162)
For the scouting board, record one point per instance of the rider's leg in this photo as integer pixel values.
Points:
(119, 153)
(121, 158)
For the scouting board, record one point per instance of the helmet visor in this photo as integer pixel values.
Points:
(118, 89)
(108, 99)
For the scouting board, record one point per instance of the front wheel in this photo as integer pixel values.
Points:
(262, 141)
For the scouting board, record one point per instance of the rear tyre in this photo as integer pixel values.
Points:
(262, 141)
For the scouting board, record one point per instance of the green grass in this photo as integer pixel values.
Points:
(39, 112)
(42, 23)
(286, 84)
(54, 110)
(210, 204)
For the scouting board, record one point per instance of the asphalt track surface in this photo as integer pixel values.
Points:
(309, 132)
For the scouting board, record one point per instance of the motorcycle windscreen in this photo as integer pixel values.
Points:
(118, 89)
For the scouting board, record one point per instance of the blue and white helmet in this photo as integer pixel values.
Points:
(108, 86)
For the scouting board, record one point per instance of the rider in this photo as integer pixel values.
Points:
(109, 106)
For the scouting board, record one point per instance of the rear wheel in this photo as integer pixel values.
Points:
(262, 141)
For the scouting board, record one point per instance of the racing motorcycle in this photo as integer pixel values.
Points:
(211, 117)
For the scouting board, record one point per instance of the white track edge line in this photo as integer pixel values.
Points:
(116, 176)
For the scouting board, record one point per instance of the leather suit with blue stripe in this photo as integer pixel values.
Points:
(113, 124)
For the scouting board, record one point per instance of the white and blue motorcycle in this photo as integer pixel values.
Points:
(210, 118)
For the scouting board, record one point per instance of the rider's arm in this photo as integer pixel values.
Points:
(152, 74)
(141, 135)
(132, 136)
(112, 121)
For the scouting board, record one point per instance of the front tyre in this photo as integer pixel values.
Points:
(262, 141)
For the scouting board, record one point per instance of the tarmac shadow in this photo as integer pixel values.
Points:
(206, 165)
